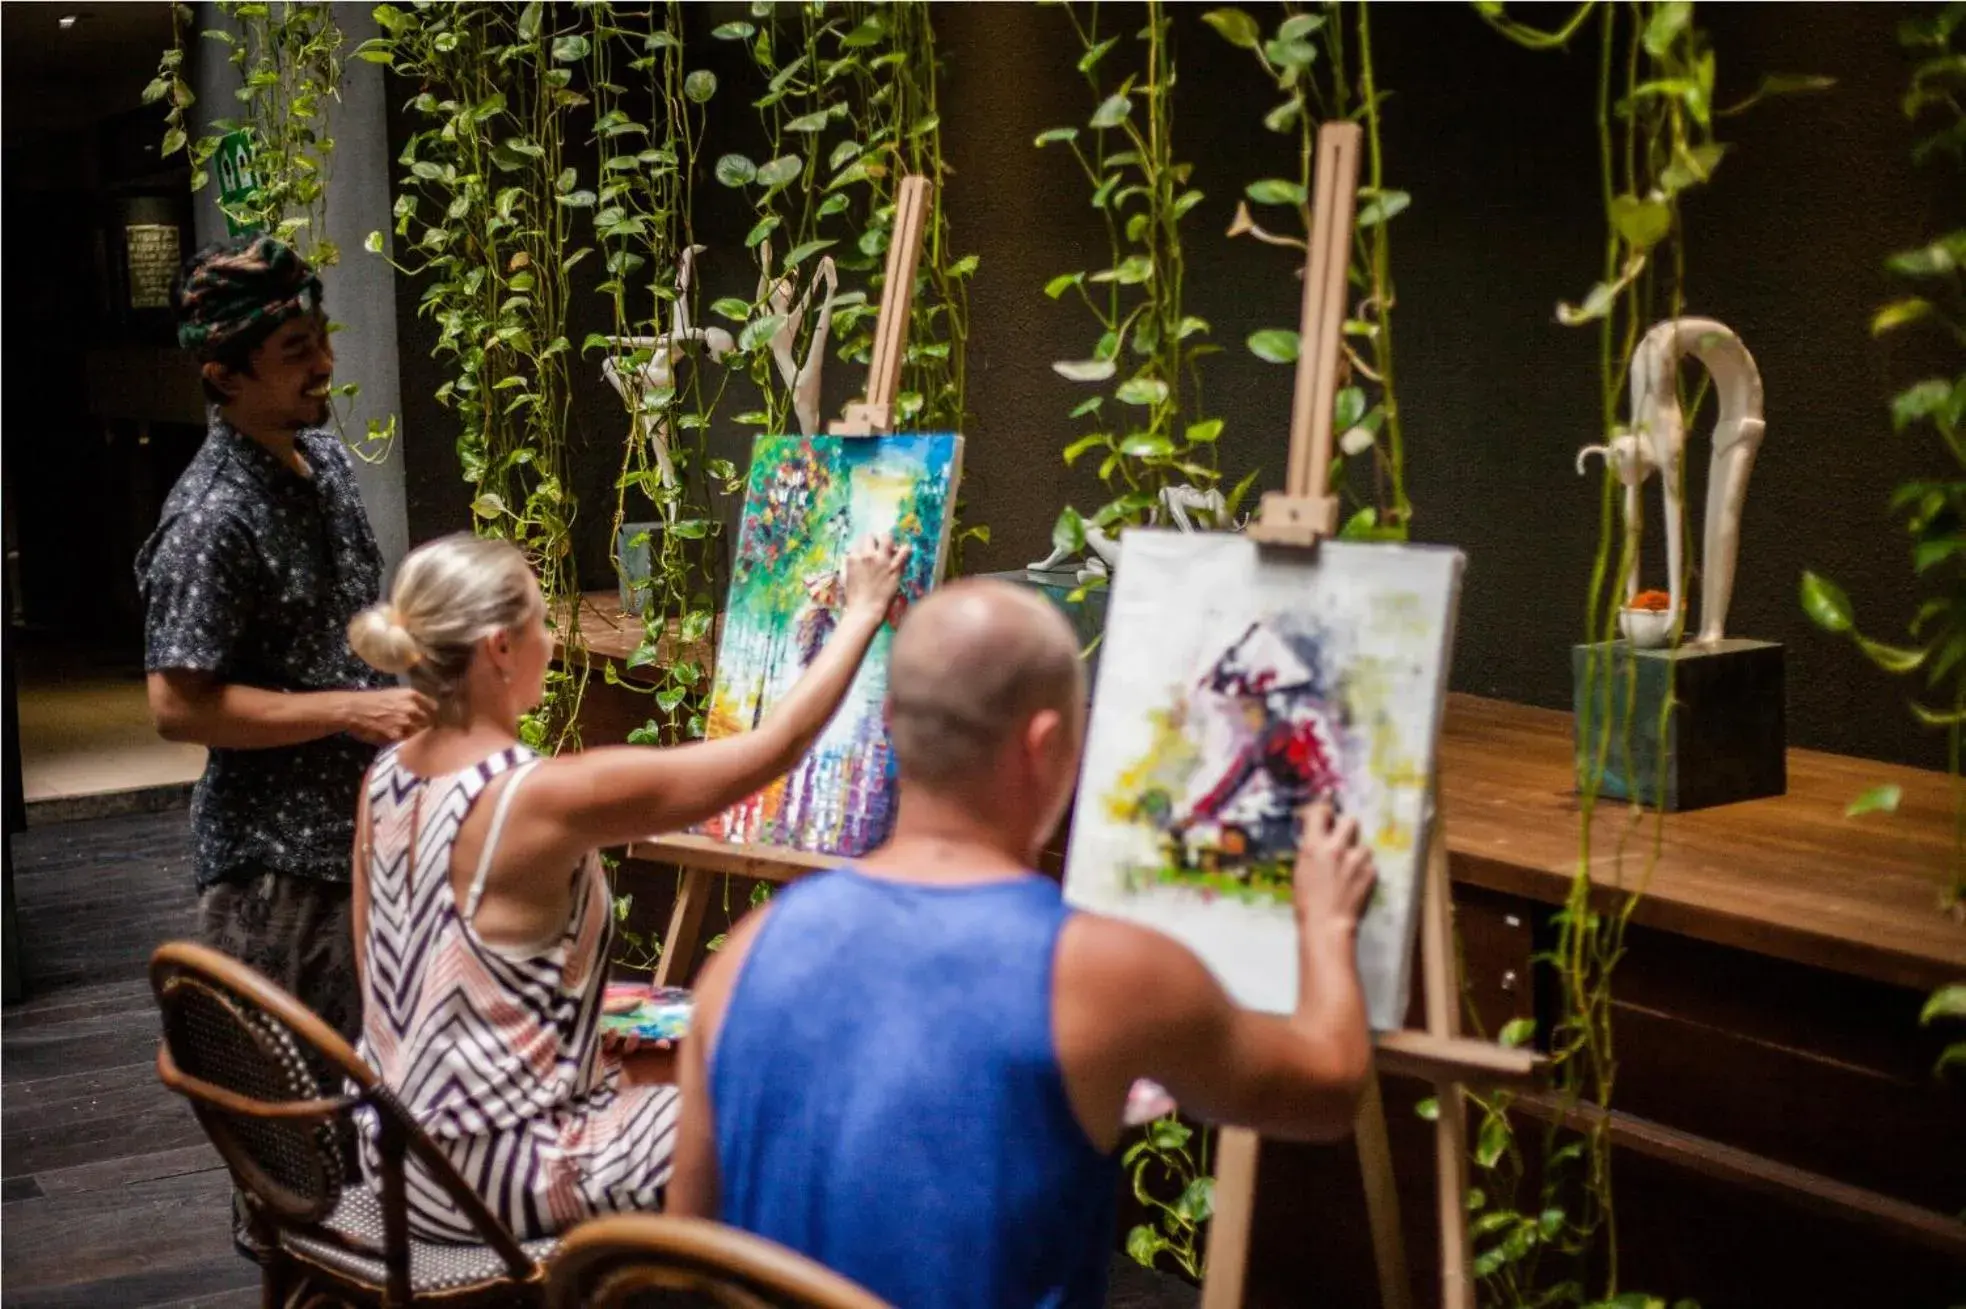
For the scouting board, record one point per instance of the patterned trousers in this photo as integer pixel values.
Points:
(299, 931)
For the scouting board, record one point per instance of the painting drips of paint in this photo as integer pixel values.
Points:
(808, 501)
(1236, 686)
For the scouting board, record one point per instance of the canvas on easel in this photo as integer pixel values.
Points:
(1237, 686)
(808, 501)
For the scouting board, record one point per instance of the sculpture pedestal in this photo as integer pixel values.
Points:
(1723, 739)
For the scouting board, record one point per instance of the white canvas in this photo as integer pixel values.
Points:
(1233, 685)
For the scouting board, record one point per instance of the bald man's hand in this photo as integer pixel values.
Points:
(873, 574)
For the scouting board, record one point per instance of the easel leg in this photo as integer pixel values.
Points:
(1438, 976)
(1228, 1230)
(1375, 1161)
(685, 926)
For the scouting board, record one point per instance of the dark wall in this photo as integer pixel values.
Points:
(1497, 146)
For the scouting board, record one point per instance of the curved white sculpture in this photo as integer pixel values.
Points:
(802, 378)
(1210, 512)
(1658, 443)
(659, 371)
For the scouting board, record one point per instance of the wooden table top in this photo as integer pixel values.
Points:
(1789, 877)
(608, 633)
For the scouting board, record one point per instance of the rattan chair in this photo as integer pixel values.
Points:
(642, 1261)
(246, 1055)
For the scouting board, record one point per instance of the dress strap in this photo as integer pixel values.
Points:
(504, 805)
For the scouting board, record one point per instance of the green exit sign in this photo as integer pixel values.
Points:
(233, 163)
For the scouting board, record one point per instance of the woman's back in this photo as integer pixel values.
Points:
(494, 1049)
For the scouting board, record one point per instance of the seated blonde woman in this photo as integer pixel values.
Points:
(483, 929)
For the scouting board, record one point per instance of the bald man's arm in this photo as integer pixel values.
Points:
(693, 1189)
(1129, 1002)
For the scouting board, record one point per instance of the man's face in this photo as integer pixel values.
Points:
(287, 388)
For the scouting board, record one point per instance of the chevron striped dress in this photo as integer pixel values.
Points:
(496, 1051)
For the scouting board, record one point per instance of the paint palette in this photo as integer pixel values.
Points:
(650, 1013)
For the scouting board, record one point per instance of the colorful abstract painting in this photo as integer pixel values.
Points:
(808, 501)
(1237, 686)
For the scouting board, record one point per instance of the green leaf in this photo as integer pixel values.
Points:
(1143, 1243)
(1920, 400)
(1088, 405)
(1274, 191)
(800, 253)
(1291, 56)
(1361, 526)
(1085, 370)
(1378, 206)
(1050, 135)
(1493, 1141)
(1141, 391)
(1296, 29)
(736, 170)
(870, 32)
(738, 31)
(1898, 313)
(570, 49)
(1146, 445)
(1880, 799)
(1284, 116)
(1428, 1109)
(1062, 283)
(1349, 408)
(1096, 441)
(813, 122)
(780, 170)
(1203, 432)
(577, 200)
(765, 227)
(1939, 258)
(373, 243)
(1690, 165)
(1236, 27)
(965, 266)
(1133, 270)
(1112, 111)
(1068, 533)
(1946, 1002)
(1516, 1032)
(1668, 21)
(731, 307)
(1276, 345)
(1197, 1200)
(700, 85)
(1826, 603)
(758, 331)
(1937, 717)
(489, 505)
(1090, 59)
(1642, 223)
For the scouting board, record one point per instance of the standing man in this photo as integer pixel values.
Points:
(261, 558)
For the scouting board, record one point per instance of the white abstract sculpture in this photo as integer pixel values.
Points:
(1658, 443)
(1209, 508)
(659, 372)
(802, 378)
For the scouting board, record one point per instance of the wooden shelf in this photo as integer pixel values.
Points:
(1789, 877)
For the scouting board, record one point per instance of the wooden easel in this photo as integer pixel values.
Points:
(1298, 518)
(701, 856)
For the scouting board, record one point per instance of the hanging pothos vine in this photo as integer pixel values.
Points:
(1557, 1244)
(486, 218)
(1149, 430)
(288, 58)
(1325, 77)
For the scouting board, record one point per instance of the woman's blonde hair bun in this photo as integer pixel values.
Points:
(449, 595)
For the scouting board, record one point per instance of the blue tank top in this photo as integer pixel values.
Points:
(888, 1100)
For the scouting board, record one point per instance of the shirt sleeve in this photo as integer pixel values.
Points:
(197, 586)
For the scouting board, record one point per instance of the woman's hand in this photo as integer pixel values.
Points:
(643, 1063)
(873, 575)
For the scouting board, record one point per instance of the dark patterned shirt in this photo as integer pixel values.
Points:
(252, 575)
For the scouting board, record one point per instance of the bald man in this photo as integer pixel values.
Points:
(914, 1069)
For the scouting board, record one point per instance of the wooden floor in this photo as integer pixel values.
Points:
(111, 1195)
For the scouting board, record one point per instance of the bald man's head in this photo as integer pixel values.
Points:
(970, 667)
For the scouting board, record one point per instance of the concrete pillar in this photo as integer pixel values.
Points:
(360, 291)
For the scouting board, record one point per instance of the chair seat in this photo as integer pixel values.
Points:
(349, 1243)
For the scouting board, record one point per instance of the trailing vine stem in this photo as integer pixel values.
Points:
(484, 218)
(1151, 429)
(1319, 87)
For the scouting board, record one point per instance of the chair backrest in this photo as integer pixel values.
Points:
(246, 1054)
(645, 1261)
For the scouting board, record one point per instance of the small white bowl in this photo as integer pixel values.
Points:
(1646, 629)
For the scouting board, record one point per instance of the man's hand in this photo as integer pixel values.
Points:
(873, 574)
(385, 717)
(1334, 875)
